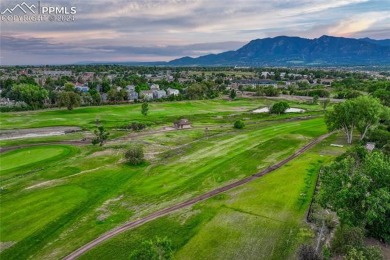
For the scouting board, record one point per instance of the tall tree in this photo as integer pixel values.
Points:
(360, 113)
(344, 116)
(233, 94)
(69, 99)
(368, 110)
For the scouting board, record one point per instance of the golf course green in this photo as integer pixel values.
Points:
(56, 198)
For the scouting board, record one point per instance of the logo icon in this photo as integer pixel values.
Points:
(23, 6)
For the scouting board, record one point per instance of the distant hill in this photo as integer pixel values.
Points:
(378, 42)
(289, 51)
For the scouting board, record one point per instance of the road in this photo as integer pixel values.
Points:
(166, 211)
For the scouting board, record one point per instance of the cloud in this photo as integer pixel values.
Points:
(41, 47)
(359, 23)
(165, 29)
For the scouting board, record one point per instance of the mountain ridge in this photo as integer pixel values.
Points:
(293, 50)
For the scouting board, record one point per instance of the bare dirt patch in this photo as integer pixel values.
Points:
(5, 245)
(104, 210)
(43, 184)
(104, 153)
(37, 132)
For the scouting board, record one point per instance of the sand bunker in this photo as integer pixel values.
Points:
(289, 110)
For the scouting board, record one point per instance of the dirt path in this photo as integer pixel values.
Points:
(166, 211)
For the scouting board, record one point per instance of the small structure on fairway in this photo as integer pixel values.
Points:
(182, 124)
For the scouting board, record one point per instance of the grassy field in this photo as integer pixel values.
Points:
(60, 196)
(264, 219)
(203, 111)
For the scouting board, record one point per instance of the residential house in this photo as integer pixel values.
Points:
(159, 94)
(147, 94)
(154, 87)
(131, 93)
(265, 74)
(256, 82)
(82, 87)
(327, 82)
(87, 75)
(172, 91)
(57, 73)
(104, 97)
(130, 88)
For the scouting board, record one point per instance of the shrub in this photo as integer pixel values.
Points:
(239, 124)
(136, 126)
(346, 237)
(308, 252)
(271, 92)
(156, 249)
(16, 106)
(363, 253)
(331, 220)
(101, 135)
(135, 155)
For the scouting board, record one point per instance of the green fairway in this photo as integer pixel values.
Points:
(116, 115)
(26, 214)
(261, 220)
(59, 197)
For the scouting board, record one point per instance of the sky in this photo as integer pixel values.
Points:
(162, 30)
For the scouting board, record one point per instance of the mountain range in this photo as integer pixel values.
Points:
(290, 51)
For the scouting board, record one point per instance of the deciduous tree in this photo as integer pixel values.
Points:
(368, 110)
(344, 116)
(356, 187)
(279, 107)
(32, 95)
(233, 94)
(69, 99)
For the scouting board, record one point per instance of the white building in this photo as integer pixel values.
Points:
(172, 91)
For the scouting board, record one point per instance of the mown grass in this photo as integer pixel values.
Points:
(20, 217)
(261, 220)
(40, 140)
(87, 182)
(203, 111)
(17, 161)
